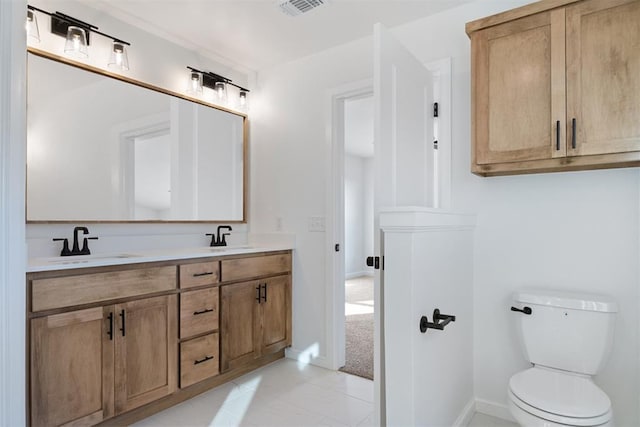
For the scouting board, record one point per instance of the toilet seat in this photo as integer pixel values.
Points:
(560, 397)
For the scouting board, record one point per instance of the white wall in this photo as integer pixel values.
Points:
(358, 215)
(12, 247)
(575, 231)
(154, 61)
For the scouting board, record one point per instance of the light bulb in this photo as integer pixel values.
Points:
(118, 58)
(195, 82)
(221, 91)
(76, 44)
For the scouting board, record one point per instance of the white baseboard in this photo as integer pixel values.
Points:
(304, 357)
(494, 409)
(465, 416)
(349, 276)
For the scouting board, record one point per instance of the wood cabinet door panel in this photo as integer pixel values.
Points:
(240, 324)
(146, 352)
(71, 368)
(603, 76)
(276, 314)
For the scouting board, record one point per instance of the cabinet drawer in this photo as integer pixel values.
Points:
(199, 274)
(199, 359)
(198, 312)
(68, 291)
(245, 268)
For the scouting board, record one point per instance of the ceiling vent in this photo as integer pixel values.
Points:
(298, 7)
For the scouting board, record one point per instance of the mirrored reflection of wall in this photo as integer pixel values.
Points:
(100, 149)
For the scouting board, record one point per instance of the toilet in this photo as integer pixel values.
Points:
(568, 338)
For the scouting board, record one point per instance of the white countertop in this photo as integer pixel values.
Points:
(101, 260)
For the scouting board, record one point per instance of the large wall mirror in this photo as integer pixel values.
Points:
(102, 149)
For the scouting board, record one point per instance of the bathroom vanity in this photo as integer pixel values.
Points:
(115, 339)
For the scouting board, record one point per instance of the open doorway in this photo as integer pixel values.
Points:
(358, 235)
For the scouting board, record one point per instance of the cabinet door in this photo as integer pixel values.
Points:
(145, 351)
(240, 326)
(276, 314)
(71, 368)
(519, 89)
(603, 76)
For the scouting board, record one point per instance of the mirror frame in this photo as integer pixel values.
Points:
(105, 73)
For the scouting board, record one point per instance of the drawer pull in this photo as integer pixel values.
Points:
(206, 273)
(206, 310)
(203, 360)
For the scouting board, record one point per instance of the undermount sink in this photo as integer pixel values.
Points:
(80, 259)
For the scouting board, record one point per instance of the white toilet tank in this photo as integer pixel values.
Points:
(568, 331)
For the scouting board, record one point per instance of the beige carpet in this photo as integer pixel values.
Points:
(359, 327)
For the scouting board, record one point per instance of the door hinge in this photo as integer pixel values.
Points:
(337, 247)
(435, 144)
(435, 109)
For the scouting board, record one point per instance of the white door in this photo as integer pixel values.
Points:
(403, 141)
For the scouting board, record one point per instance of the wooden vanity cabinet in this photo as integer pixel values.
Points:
(556, 86)
(91, 364)
(255, 314)
(112, 345)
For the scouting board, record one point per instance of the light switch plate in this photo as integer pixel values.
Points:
(316, 223)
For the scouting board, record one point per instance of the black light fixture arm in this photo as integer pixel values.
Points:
(209, 79)
(60, 22)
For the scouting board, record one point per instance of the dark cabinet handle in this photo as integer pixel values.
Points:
(122, 315)
(258, 295)
(558, 135)
(196, 362)
(206, 310)
(264, 286)
(110, 331)
(525, 310)
(573, 133)
(208, 273)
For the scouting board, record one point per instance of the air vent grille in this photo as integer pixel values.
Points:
(298, 7)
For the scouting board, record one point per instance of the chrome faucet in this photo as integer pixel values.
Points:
(220, 239)
(76, 244)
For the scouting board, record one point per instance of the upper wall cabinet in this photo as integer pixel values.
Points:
(555, 87)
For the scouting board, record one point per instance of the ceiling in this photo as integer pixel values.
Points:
(256, 34)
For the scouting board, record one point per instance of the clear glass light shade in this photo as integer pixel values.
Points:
(194, 86)
(118, 58)
(242, 99)
(220, 89)
(76, 44)
(33, 33)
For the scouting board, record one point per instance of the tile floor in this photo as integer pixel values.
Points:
(280, 394)
(285, 393)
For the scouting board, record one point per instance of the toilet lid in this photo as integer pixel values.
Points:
(560, 393)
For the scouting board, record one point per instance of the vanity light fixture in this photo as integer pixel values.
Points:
(78, 36)
(199, 79)
(194, 86)
(76, 44)
(119, 58)
(32, 26)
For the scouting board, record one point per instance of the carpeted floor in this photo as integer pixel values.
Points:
(359, 327)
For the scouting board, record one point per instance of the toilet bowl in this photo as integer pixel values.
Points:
(547, 397)
(567, 338)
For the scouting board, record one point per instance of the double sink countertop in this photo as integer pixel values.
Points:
(100, 260)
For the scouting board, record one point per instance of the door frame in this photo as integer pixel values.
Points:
(335, 269)
(335, 265)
